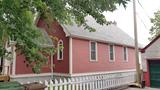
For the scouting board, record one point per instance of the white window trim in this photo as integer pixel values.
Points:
(90, 51)
(58, 58)
(126, 54)
(113, 53)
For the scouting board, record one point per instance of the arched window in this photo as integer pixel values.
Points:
(60, 50)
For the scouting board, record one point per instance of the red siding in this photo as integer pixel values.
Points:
(21, 67)
(60, 66)
(146, 78)
(147, 75)
(82, 63)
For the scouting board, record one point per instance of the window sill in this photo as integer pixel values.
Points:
(125, 61)
(111, 61)
(93, 60)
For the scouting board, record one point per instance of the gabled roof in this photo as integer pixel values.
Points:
(44, 40)
(104, 33)
(155, 39)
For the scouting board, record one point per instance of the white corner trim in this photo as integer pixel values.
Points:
(90, 52)
(70, 56)
(105, 72)
(38, 75)
(14, 61)
(114, 56)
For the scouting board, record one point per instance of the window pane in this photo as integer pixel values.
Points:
(125, 53)
(111, 48)
(93, 51)
(93, 55)
(60, 50)
(60, 54)
(111, 52)
(93, 46)
(111, 56)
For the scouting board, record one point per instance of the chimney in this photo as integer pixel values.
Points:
(115, 23)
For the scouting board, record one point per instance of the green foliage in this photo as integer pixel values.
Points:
(155, 29)
(17, 22)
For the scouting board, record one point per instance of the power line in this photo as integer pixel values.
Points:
(142, 22)
(143, 9)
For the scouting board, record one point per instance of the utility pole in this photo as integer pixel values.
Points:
(138, 73)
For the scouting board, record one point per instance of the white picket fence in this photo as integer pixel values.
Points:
(97, 82)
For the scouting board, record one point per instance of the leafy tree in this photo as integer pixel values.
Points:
(155, 29)
(17, 22)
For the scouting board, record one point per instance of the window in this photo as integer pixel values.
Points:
(93, 51)
(60, 50)
(125, 54)
(111, 53)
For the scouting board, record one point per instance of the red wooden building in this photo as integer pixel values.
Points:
(108, 50)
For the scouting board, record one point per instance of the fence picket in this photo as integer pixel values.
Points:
(77, 86)
(46, 83)
(80, 85)
(92, 83)
(73, 83)
(98, 82)
(28, 82)
(56, 84)
(65, 84)
(87, 85)
(61, 86)
(84, 83)
(40, 82)
(95, 82)
(69, 84)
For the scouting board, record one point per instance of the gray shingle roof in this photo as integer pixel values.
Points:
(104, 33)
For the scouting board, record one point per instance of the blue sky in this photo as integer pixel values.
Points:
(124, 18)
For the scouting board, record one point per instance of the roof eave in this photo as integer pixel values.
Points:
(87, 38)
(148, 45)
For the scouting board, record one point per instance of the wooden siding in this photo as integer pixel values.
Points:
(82, 63)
